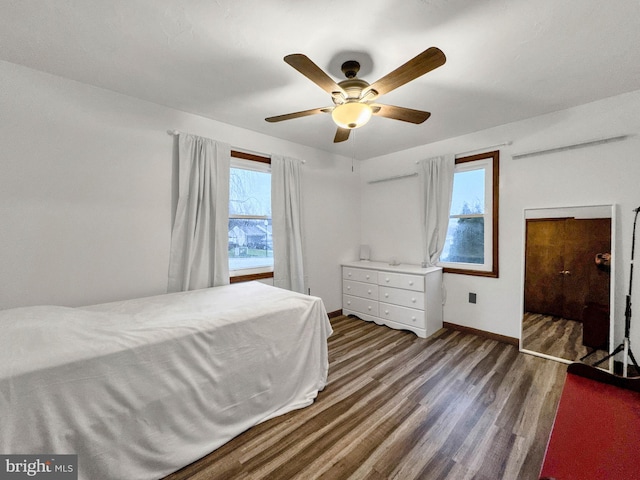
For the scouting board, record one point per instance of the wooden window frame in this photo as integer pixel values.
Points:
(494, 272)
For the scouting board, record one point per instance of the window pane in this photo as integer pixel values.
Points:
(465, 241)
(250, 243)
(249, 193)
(250, 240)
(468, 192)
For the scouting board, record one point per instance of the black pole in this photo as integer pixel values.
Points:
(627, 310)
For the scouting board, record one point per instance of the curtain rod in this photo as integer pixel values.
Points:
(504, 144)
(588, 143)
(414, 174)
(243, 150)
(397, 177)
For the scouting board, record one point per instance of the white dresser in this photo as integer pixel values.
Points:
(404, 296)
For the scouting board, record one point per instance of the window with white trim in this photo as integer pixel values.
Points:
(471, 246)
(250, 239)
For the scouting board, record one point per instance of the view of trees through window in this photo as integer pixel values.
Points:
(465, 235)
(250, 238)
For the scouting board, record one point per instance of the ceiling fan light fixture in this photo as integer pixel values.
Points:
(351, 114)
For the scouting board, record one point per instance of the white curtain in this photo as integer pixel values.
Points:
(199, 239)
(436, 186)
(286, 210)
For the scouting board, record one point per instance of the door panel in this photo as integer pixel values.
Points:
(584, 283)
(561, 278)
(543, 264)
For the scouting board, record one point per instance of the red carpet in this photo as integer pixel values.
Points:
(596, 433)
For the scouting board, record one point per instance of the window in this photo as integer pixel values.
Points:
(471, 246)
(250, 239)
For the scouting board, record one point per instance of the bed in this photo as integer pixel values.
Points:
(140, 388)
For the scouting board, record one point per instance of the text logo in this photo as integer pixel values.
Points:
(39, 467)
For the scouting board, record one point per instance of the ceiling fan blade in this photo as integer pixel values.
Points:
(428, 60)
(400, 113)
(304, 113)
(305, 66)
(342, 134)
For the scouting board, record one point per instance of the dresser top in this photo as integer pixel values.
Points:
(385, 267)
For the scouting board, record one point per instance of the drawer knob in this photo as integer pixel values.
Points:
(386, 295)
(386, 312)
(413, 319)
(386, 280)
(369, 307)
(349, 274)
(368, 277)
(348, 287)
(413, 300)
(348, 302)
(411, 282)
(369, 291)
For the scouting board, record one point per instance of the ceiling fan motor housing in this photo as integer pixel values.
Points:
(353, 88)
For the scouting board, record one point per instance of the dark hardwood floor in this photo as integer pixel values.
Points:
(453, 406)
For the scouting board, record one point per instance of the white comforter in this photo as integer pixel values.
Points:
(142, 387)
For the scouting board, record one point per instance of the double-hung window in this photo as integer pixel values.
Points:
(471, 246)
(250, 239)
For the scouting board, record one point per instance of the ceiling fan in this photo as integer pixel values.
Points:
(354, 98)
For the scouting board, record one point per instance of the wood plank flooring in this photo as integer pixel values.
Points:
(453, 406)
(557, 337)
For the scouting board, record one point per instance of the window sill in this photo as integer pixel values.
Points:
(251, 276)
(475, 273)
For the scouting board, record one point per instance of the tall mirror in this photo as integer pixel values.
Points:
(568, 280)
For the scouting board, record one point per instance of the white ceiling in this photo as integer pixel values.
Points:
(506, 59)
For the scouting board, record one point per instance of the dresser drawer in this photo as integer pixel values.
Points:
(359, 289)
(404, 315)
(360, 275)
(406, 298)
(362, 305)
(401, 280)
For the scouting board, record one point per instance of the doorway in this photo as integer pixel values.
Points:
(567, 288)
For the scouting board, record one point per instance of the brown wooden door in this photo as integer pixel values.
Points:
(544, 259)
(561, 277)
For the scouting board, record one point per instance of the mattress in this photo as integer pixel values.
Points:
(139, 388)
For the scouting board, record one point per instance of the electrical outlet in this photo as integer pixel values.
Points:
(472, 297)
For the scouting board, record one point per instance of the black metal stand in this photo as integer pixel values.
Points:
(625, 346)
(583, 358)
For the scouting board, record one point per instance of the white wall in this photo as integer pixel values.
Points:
(86, 191)
(85, 196)
(603, 174)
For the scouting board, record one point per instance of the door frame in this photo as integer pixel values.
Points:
(578, 211)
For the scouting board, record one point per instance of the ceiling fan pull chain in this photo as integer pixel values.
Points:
(353, 150)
